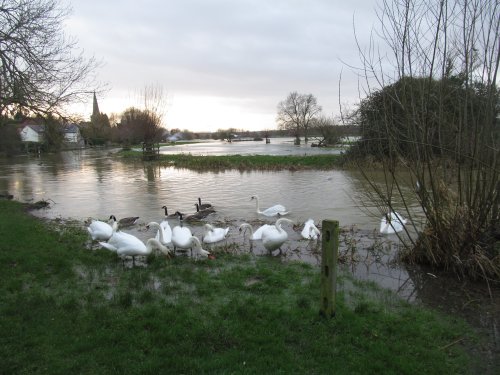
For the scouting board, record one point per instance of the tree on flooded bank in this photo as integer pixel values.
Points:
(438, 119)
(296, 114)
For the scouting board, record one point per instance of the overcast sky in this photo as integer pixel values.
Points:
(223, 63)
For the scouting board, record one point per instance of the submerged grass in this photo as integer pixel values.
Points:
(66, 309)
(245, 162)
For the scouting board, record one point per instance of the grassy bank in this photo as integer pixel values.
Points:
(66, 309)
(245, 162)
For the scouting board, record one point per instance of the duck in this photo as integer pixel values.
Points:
(392, 223)
(277, 209)
(203, 206)
(275, 236)
(126, 244)
(127, 221)
(310, 231)
(254, 235)
(213, 235)
(163, 233)
(167, 216)
(181, 235)
(102, 231)
(199, 252)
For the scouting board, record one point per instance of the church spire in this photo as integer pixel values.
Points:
(95, 109)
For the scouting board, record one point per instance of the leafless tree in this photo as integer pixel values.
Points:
(296, 113)
(41, 70)
(443, 86)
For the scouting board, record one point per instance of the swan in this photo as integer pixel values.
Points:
(199, 253)
(203, 206)
(275, 236)
(271, 211)
(125, 244)
(257, 235)
(181, 236)
(310, 231)
(163, 233)
(213, 235)
(102, 231)
(167, 216)
(392, 223)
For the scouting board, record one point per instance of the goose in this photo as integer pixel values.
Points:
(310, 231)
(203, 206)
(100, 230)
(271, 211)
(257, 235)
(213, 235)
(199, 214)
(275, 236)
(167, 216)
(181, 236)
(125, 244)
(127, 221)
(392, 223)
(199, 252)
(163, 233)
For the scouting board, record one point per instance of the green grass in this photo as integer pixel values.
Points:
(66, 309)
(245, 162)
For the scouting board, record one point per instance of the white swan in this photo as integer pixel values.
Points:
(125, 244)
(277, 209)
(275, 236)
(102, 231)
(181, 236)
(310, 231)
(212, 235)
(392, 223)
(257, 235)
(163, 233)
(199, 252)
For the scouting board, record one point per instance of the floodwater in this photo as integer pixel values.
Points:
(90, 183)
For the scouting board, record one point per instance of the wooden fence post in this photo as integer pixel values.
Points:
(329, 255)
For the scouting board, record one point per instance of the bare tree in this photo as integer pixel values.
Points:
(328, 131)
(41, 69)
(437, 118)
(296, 113)
(144, 124)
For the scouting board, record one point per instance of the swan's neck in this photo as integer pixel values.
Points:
(153, 243)
(257, 205)
(160, 230)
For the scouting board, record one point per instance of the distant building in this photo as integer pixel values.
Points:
(72, 134)
(32, 133)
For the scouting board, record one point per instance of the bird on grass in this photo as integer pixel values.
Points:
(213, 235)
(102, 231)
(275, 236)
(310, 231)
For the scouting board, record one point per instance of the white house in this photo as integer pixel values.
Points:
(32, 133)
(72, 133)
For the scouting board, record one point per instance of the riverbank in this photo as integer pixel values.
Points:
(66, 308)
(243, 162)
